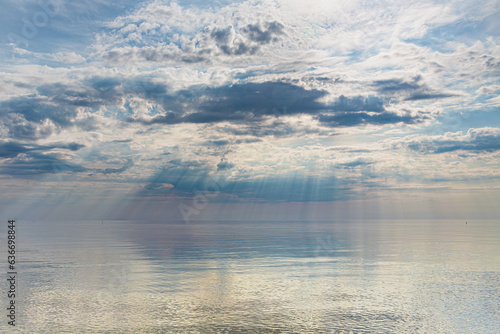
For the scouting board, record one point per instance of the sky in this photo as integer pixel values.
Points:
(272, 109)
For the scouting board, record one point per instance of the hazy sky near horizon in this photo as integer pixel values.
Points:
(249, 109)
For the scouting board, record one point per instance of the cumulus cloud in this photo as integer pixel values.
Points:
(156, 34)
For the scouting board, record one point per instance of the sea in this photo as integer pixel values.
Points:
(343, 276)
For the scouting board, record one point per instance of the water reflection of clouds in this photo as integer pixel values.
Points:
(215, 277)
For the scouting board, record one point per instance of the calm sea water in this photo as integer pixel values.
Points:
(257, 277)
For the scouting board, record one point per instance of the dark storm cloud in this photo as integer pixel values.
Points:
(411, 90)
(193, 59)
(25, 160)
(13, 149)
(355, 163)
(122, 141)
(36, 160)
(36, 109)
(25, 117)
(476, 140)
(239, 49)
(428, 96)
(248, 141)
(145, 87)
(398, 85)
(122, 169)
(39, 164)
(104, 88)
(21, 129)
(492, 62)
(249, 102)
(92, 92)
(156, 54)
(358, 103)
(245, 103)
(224, 165)
(362, 118)
(263, 35)
(217, 143)
(275, 129)
(254, 35)
(221, 35)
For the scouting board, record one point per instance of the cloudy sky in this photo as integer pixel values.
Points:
(271, 109)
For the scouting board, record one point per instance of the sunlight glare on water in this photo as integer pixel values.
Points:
(259, 277)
